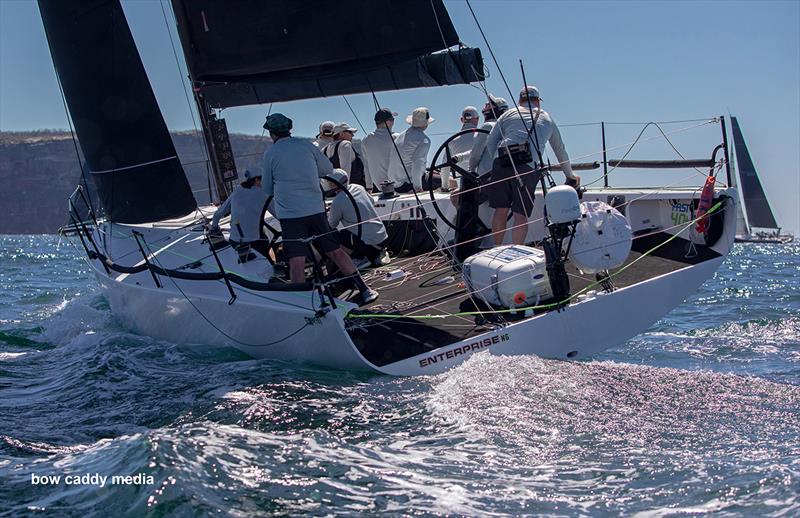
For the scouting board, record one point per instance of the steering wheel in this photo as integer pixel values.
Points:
(454, 168)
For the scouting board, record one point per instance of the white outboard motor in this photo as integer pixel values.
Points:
(563, 206)
(602, 239)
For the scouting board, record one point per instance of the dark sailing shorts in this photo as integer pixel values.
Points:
(505, 191)
(296, 229)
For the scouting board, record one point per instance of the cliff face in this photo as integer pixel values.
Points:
(39, 170)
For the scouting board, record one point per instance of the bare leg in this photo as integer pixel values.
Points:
(499, 225)
(297, 269)
(343, 261)
(520, 230)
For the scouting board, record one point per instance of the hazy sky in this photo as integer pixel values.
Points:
(592, 61)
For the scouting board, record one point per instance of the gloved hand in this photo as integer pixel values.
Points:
(573, 182)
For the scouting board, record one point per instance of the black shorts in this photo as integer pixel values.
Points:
(360, 248)
(505, 191)
(294, 230)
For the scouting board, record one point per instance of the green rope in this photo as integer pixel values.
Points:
(551, 305)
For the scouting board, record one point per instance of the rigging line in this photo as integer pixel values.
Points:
(354, 115)
(713, 209)
(220, 331)
(496, 63)
(712, 119)
(180, 73)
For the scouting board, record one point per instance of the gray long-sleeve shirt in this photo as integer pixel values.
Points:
(245, 206)
(510, 129)
(292, 169)
(373, 232)
(376, 150)
(413, 146)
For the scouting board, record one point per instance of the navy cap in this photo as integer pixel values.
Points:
(384, 114)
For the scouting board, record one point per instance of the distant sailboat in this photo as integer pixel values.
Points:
(755, 212)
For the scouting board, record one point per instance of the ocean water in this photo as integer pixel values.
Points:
(699, 415)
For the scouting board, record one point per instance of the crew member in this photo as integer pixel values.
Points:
(407, 163)
(343, 155)
(469, 121)
(377, 148)
(480, 162)
(246, 206)
(370, 247)
(325, 135)
(518, 138)
(292, 169)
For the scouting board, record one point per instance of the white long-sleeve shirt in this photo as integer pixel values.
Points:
(245, 207)
(292, 169)
(480, 161)
(376, 150)
(373, 232)
(463, 143)
(413, 146)
(510, 129)
(321, 142)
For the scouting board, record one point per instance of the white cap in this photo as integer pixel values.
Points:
(340, 175)
(531, 92)
(421, 117)
(343, 126)
(326, 128)
(470, 112)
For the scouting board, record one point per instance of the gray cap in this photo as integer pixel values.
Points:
(340, 176)
(530, 91)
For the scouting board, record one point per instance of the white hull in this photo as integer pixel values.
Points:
(283, 325)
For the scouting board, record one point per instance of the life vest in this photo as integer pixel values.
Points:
(356, 168)
(706, 198)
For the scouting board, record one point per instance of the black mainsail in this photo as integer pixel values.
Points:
(243, 52)
(120, 129)
(757, 210)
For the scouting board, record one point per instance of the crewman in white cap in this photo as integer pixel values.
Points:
(343, 155)
(325, 135)
(519, 138)
(409, 159)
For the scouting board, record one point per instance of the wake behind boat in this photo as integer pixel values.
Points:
(447, 294)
